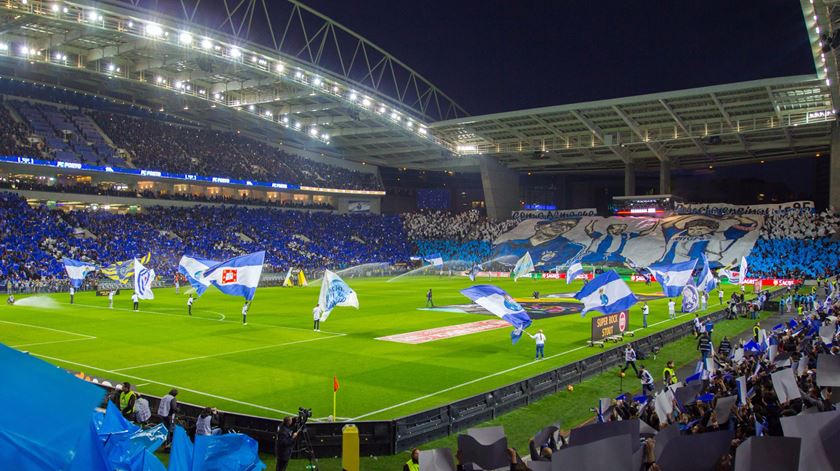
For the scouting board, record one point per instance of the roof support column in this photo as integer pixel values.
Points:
(665, 177)
(629, 179)
(834, 168)
(501, 188)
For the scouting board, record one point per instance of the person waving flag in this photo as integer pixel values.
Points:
(606, 293)
(501, 304)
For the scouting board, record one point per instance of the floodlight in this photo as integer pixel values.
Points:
(111, 67)
(250, 107)
(130, 23)
(55, 8)
(335, 89)
(185, 38)
(353, 96)
(235, 53)
(154, 30)
(365, 102)
(317, 82)
(159, 79)
(381, 109)
(4, 47)
(280, 67)
(206, 43)
(313, 132)
(298, 74)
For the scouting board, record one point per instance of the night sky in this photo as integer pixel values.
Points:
(494, 55)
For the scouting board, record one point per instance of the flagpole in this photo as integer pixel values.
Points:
(334, 415)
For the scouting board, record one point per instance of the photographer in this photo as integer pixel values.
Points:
(283, 445)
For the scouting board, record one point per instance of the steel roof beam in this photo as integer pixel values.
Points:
(731, 123)
(619, 151)
(654, 147)
(697, 142)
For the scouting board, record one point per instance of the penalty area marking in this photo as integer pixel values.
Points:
(151, 381)
(492, 375)
(264, 347)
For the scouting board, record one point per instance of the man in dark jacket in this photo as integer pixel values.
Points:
(285, 443)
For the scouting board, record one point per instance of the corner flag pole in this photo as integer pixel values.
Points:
(335, 392)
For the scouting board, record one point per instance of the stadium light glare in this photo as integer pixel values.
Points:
(24, 2)
(365, 102)
(55, 8)
(335, 89)
(235, 53)
(216, 96)
(422, 131)
(154, 30)
(185, 38)
(381, 110)
(298, 75)
(297, 124)
(395, 116)
(206, 43)
(313, 132)
(285, 119)
(409, 124)
(353, 96)
(268, 114)
(179, 84)
(250, 107)
(280, 68)
(130, 23)
(65, 10)
(159, 79)
(317, 81)
(253, 58)
(4, 47)
(111, 67)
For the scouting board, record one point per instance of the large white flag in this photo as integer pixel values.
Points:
(143, 278)
(335, 292)
(742, 271)
(523, 266)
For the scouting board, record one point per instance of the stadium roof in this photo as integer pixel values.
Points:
(310, 81)
(286, 73)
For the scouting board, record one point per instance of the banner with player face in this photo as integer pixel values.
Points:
(633, 241)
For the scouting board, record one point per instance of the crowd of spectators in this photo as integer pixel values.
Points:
(800, 224)
(157, 145)
(472, 251)
(33, 240)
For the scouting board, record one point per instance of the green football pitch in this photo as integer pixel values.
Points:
(276, 363)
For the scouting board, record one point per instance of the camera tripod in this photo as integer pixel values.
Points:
(303, 447)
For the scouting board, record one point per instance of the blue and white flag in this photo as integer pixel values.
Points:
(238, 276)
(673, 277)
(606, 293)
(335, 292)
(193, 269)
(574, 270)
(690, 298)
(706, 280)
(502, 305)
(143, 278)
(77, 271)
(435, 259)
(742, 271)
(523, 266)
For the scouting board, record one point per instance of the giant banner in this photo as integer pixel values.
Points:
(632, 241)
(729, 209)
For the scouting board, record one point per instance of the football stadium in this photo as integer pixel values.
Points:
(242, 235)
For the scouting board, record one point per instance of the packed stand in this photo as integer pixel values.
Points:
(443, 225)
(33, 241)
(168, 147)
(797, 244)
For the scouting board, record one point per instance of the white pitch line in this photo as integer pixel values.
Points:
(89, 337)
(183, 316)
(50, 343)
(264, 347)
(151, 381)
(457, 386)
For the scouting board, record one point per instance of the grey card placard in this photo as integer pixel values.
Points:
(542, 437)
(487, 435)
(489, 456)
(828, 370)
(695, 452)
(784, 383)
(438, 459)
(599, 431)
(768, 453)
(810, 428)
(613, 453)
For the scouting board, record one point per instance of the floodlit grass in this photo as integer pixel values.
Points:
(277, 363)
